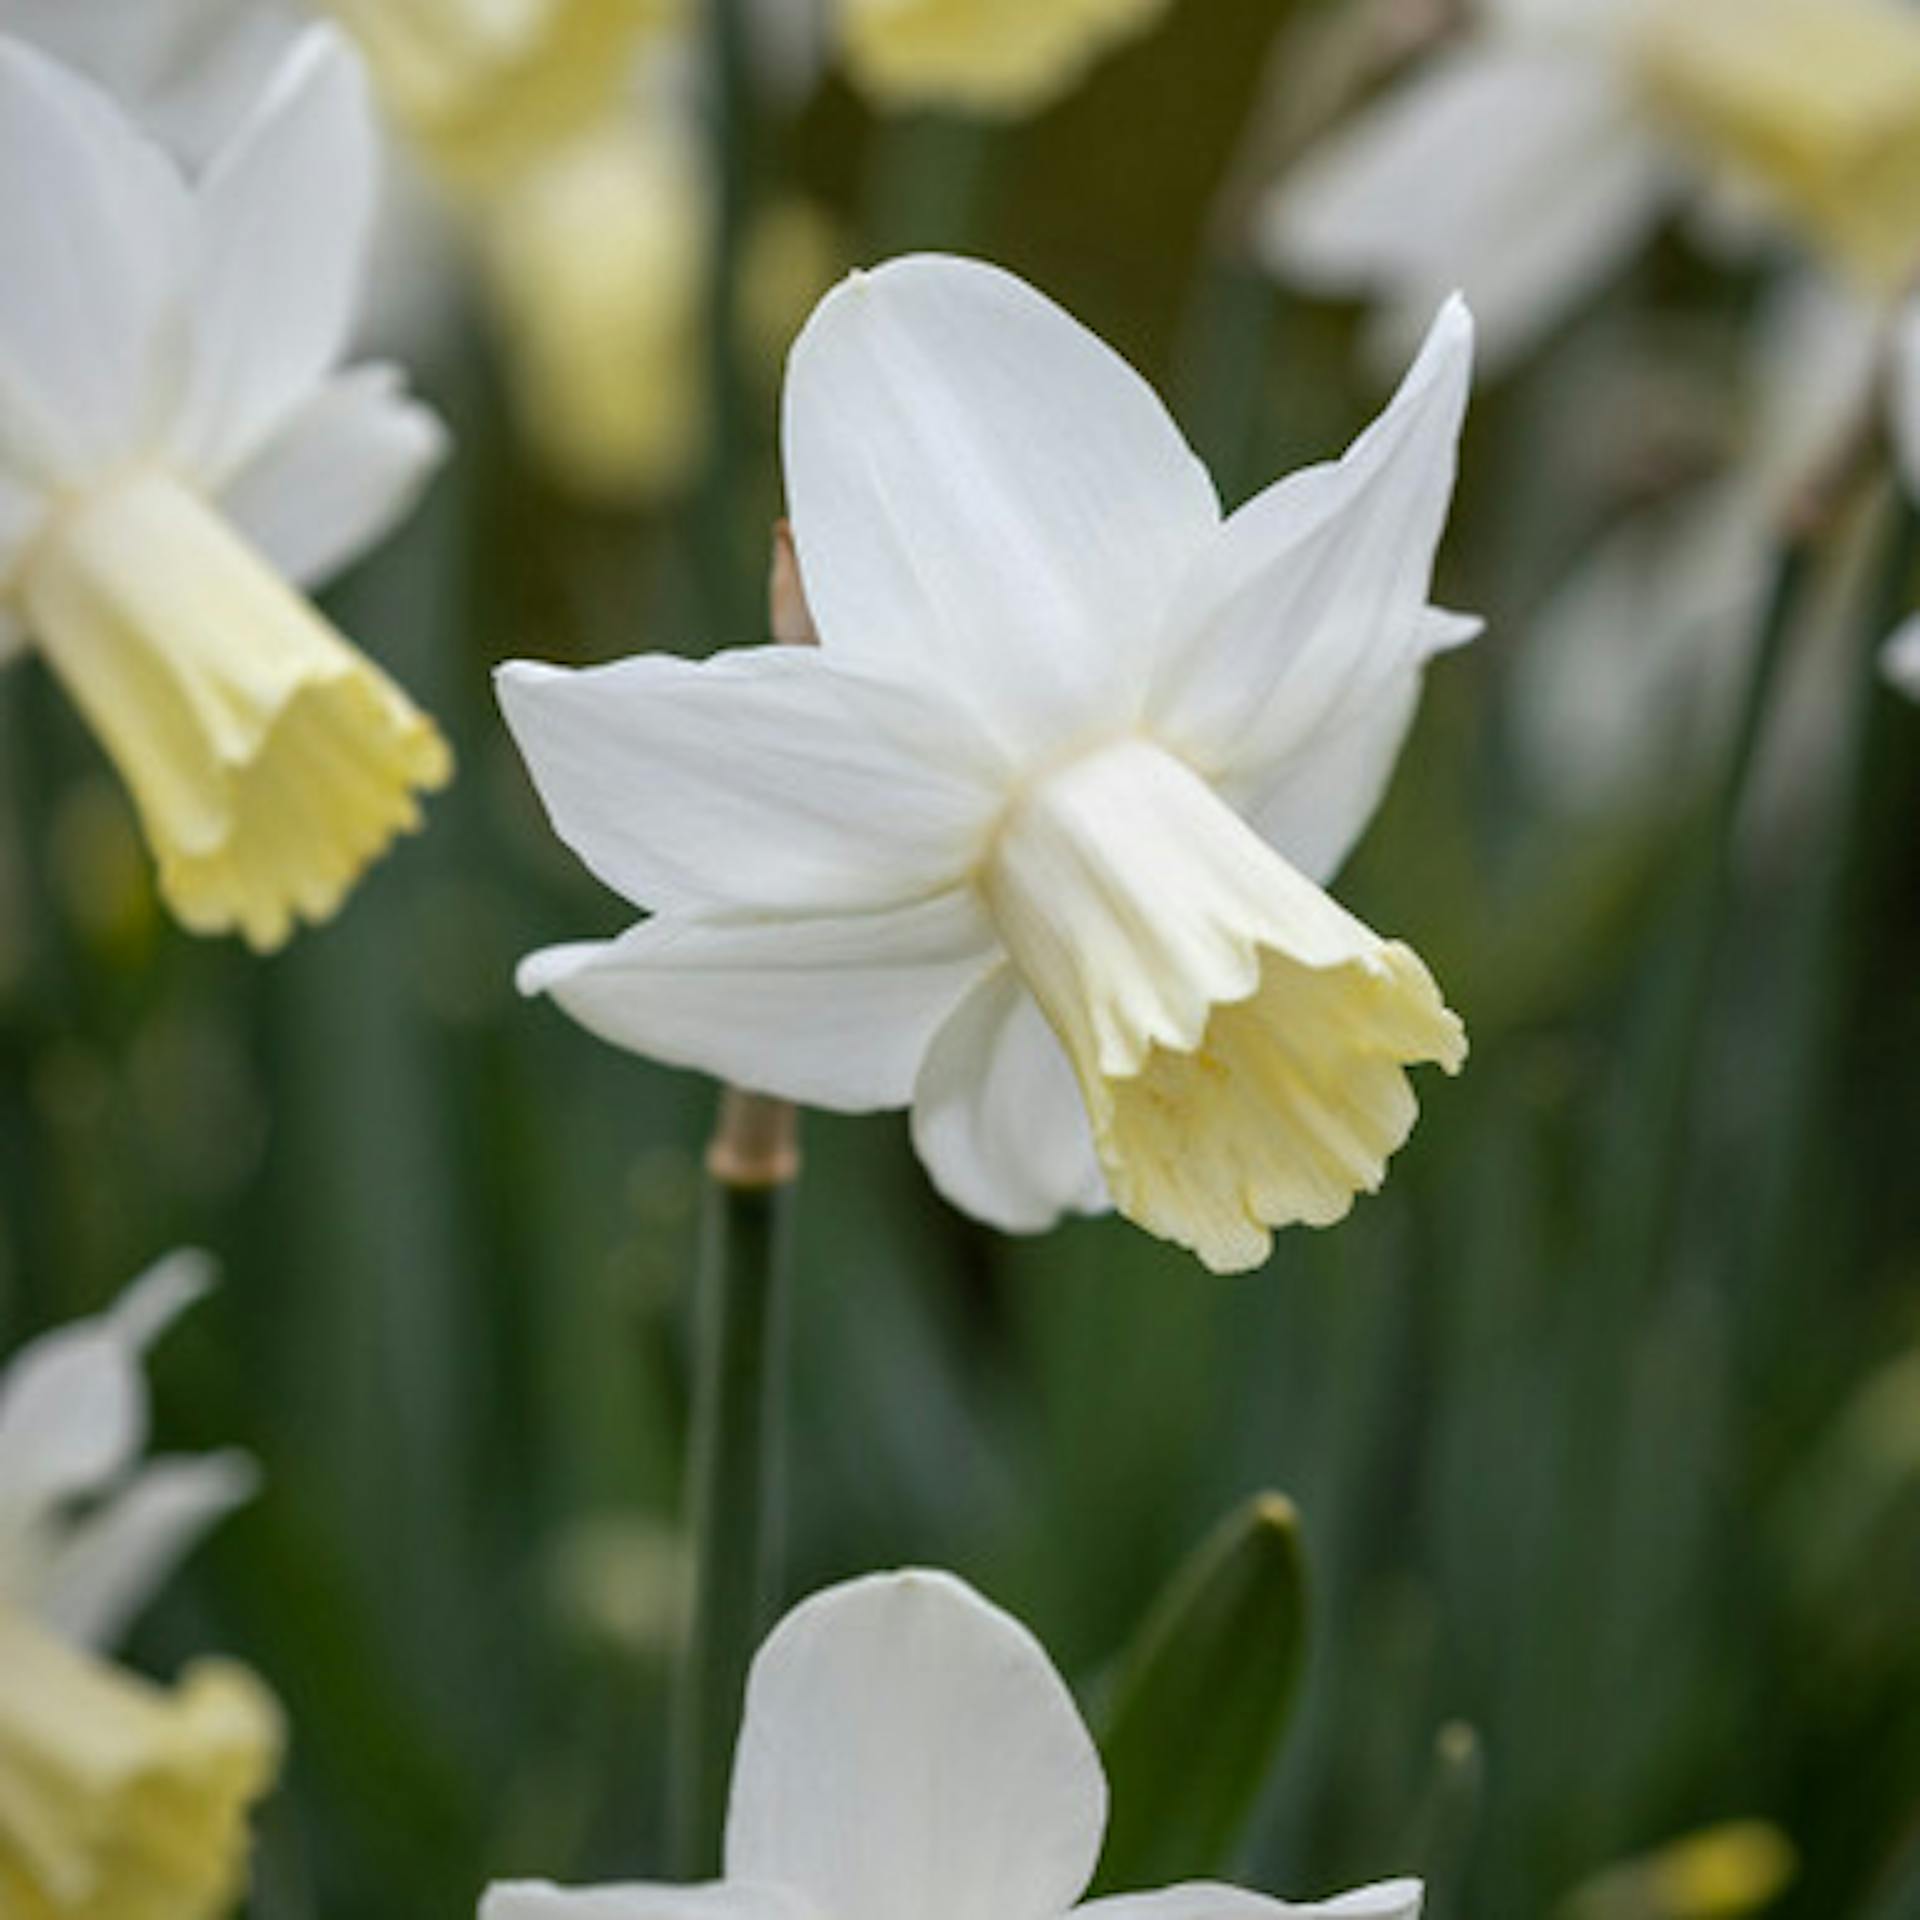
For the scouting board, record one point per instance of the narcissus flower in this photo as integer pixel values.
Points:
(486, 84)
(1034, 841)
(178, 455)
(1526, 161)
(119, 1799)
(909, 1749)
(989, 56)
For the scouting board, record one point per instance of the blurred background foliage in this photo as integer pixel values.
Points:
(1603, 1420)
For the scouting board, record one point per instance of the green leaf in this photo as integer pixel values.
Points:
(1202, 1698)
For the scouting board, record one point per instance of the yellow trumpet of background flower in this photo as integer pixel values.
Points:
(1814, 103)
(120, 1800)
(487, 86)
(988, 56)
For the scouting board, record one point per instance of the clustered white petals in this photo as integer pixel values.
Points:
(878, 873)
(909, 1748)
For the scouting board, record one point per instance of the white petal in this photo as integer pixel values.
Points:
(1818, 354)
(758, 779)
(346, 467)
(639, 1900)
(1516, 172)
(1202, 1900)
(285, 213)
(1906, 395)
(95, 231)
(106, 1567)
(73, 1404)
(833, 1010)
(986, 498)
(1900, 658)
(908, 1749)
(1303, 629)
(998, 1118)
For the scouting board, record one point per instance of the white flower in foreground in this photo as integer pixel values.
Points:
(1528, 160)
(117, 1798)
(177, 447)
(1033, 842)
(908, 1749)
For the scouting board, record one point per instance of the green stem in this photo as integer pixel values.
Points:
(734, 1462)
(1813, 1021)
(1652, 1158)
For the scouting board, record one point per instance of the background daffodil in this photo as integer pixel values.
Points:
(179, 455)
(119, 1800)
(1527, 159)
(1034, 841)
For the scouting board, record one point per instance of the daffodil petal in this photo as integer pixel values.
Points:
(106, 1566)
(1906, 396)
(639, 1900)
(987, 500)
(998, 1119)
(95, 226)
(1515, 171)
(73, 1403)
(346, 467)
(285, 212)
(1205, 1900)
(833, 1010)
(1305, 623)
(761, 779)
(909, 1749)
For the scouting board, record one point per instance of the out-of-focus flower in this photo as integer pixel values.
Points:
(597, 261)
(178, 454)
(1033, 841)
(1631, 671)
(909, 1749)
(185, 69)
(1526, 161)
(487, 86)
(119, 1800)
(1720, 1873)
(1900, 658)
(983, 56)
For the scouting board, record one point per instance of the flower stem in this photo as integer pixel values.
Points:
(752, 1167)
(1656, 1141)
(1811, 1026)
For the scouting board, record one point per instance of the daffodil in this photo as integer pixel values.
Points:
(985, 56)
(179, 456)
(485, 85)
(1033, 841)
(909, 1749)
(119, 1799)
(1527, 160)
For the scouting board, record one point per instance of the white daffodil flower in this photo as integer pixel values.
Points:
(1527, 160)
(179, 454)
(909, 1749)
(117, 1797)
(983, 56)
(1034, 841)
